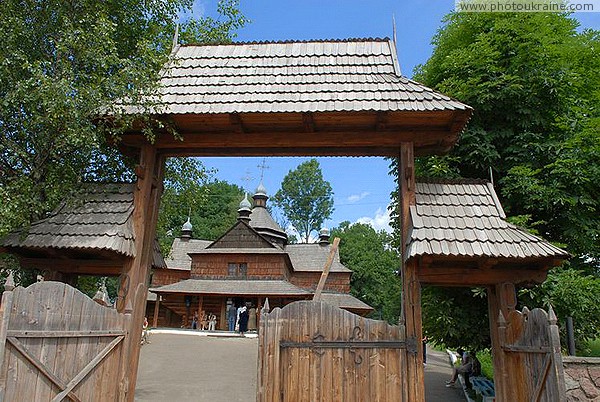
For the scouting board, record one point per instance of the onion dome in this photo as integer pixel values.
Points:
(186, 229)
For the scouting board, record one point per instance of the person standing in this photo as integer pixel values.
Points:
(243, 322)
(231, 316)
(252, 318)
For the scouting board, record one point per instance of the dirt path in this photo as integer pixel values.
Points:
(178, 368)
(188, 367)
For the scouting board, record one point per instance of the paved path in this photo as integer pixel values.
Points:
(188, 367)
(437, 372)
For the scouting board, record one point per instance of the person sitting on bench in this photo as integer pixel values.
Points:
(465, 367)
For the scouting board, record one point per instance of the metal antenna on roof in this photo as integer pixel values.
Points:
(175, 39)
(491, 176)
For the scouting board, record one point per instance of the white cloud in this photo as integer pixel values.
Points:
(381, 220)
(357, 197)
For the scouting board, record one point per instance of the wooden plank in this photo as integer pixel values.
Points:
(5, 310)
(47, 299)
(87, 369)
(65, 334)
(41, 367)
(68, 322)
(325, 273)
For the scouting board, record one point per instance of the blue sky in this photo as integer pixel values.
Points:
(361, 186)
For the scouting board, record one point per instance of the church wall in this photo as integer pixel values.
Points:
(260, 266)
(336, 281)
(161, 277)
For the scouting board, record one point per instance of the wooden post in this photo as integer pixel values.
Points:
(136, 272)
(156, 310)
(411, 288)
(501, 300)
(557, 364)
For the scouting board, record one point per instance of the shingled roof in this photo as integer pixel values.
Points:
(465, 219)
(233, 287)
(96, 217)
(307, 76)
(312, 257)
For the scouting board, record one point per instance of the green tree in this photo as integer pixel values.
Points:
(65, 63)
(534, 83)
(374, 264)
(305, 198)
(571, 294)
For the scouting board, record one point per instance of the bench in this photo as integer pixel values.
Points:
(480, 385)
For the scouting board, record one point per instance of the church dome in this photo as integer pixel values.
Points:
(187, 226)
(245, 203)
(261, 190)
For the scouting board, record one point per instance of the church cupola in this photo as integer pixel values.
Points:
(245, 209)
(186, 229)
(324, 237)
(260, 196)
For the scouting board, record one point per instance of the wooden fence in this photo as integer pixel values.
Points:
(57, 344)
(312, 351)
(531, 357)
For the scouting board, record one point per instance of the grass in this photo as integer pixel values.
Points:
(487, 366)
(593, 348)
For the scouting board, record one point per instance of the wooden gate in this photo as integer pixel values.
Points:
(532, 362)
(56, 344)
(312, 351)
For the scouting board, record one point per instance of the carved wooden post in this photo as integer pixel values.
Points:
(557, 364)
(411, 288)
(501, 379)
(146, 201)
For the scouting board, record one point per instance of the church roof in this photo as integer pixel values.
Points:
(296, 76)
(262, 221)
(245, 287)
(312, 257)
(465, 219)
(345, 301)
(179, 258)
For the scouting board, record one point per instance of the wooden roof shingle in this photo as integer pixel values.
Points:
(465, 219)
(310, 76)
(95, 217)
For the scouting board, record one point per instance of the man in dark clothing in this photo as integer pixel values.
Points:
(231, 316)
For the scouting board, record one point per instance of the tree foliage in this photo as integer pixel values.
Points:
(305, 198)
(456, 317)
(374, 264)
(63, 64)
(570, 293)
(534, 84)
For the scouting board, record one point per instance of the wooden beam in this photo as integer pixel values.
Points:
(483, 276)
(196, 141)
(136, 273)
(309, 122)
(382, 121)
(156, 310)
(325, 273)
(411, 318)
(236, 122)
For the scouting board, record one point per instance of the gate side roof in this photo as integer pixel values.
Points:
(308, 76)
(465, 219)
(97, 217)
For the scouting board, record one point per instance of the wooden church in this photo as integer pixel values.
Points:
(251, 262)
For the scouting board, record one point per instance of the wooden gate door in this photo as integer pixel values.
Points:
(532, 362)
(312, 351)
(57, 344)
